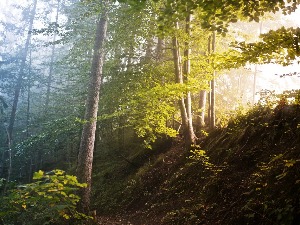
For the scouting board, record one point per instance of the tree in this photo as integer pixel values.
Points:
(191, 137)
(212, 119)
(21, 73)
(86, 150)
(50, 77)
(181, 76)
(277, 46)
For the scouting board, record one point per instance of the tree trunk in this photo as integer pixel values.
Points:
(28, 97)
(149, 46)
(186, 72)
(86, 150)
(2, 163)
(49, 82)
(18, 87)
(179, 79)
(184, 104)
(159, 49)
(202, 107)
(21, 73)
(9, 161)
(212, 123)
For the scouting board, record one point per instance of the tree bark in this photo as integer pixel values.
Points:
(17, 91)
(159, 49)
(28, 96)
(86, 150)
(179, 79)
(9, 161)
(212, 123)
(21, 74)
(149, 46)
(202, 107)
(186, 72)
(184, 103)
(50, 76)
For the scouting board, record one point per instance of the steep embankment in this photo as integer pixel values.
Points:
(248, 174)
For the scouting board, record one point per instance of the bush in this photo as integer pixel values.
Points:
(49, 200)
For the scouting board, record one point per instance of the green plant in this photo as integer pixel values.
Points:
(51, 199)
(200, 156)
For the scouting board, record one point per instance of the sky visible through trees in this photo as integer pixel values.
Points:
(267, 78)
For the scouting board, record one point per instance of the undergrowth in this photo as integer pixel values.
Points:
(245, 173)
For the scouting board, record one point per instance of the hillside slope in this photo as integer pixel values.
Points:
(248, 173)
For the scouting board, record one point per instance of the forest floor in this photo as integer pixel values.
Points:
(246, 173)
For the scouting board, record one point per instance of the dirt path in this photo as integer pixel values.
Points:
(106, 220)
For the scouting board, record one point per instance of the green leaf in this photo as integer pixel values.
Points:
(38, 175)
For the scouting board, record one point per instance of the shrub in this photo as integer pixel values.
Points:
(51, 199)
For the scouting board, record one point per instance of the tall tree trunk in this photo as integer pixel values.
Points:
(149, 46)
(50, 76)
(18, 90)
(28, 117)
(2, 163)
(28, 97)
(186, 72)
(179, 79)
(86, 150)
(21, 74)
(202, 107)
(184, 104)
(159, 49)
(9, 160)
(202, 100)
(212, 123)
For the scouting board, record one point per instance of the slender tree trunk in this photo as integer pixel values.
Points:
(121, 122)
(28, 97)
(184, 104)
(30, 170)
(212, 123)
(130, 58)
(159, 55)
(9, 160)
(186, 72)
(179, 79)
(149, 46)
(86, 150)
(2, 163)
(203, 99)
(28, 118)
(17, 91)
(202, 107)
(21, 74)
(159, 49)
(50, 77)
(209, 94)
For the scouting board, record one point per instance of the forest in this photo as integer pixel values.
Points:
(148, 112)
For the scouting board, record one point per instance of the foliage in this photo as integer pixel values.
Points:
(277, 46)
(138, 92)
(217, 14)
(279, 171)
(41, 150)
(51, 199)
(200, 156)
(247, 174)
